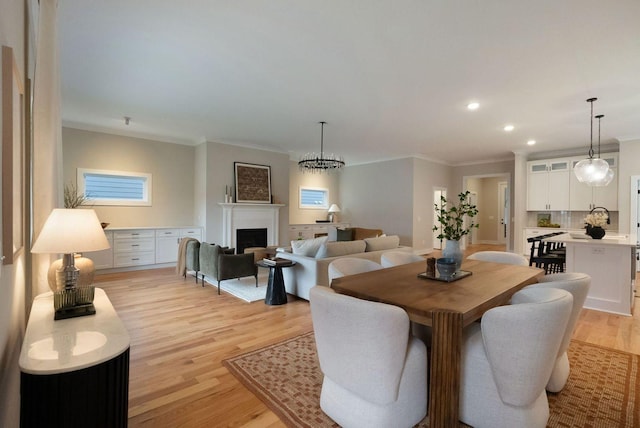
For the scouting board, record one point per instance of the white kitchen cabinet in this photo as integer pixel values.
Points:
(102, 259)
(585, 198)
(548, 185)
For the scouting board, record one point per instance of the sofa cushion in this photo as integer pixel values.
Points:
(382, 243)
(362, 233)
(340, 248)
(308, 247)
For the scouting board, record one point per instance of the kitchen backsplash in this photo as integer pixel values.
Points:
(569, 219)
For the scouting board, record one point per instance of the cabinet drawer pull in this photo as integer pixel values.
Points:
(135, 245)
(135, 258)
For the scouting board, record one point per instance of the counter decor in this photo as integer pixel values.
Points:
(595, 223)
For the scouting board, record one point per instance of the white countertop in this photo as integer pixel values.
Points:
(608, 239)
(62, 346)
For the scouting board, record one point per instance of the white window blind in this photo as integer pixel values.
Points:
(316, 198)
(102, 187)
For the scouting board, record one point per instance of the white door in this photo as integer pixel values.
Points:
(437, 201)
(503, 211)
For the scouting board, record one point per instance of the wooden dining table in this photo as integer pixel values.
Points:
(446, 307)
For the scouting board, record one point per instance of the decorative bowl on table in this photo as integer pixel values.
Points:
(446, 266)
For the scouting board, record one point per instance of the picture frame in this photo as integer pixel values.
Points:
(252, 183)
(13, 152)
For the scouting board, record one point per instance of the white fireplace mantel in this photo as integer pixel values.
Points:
(250, 216)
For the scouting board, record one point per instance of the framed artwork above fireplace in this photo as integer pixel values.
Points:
(253, 183)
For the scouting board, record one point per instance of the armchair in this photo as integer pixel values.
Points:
(220, 263)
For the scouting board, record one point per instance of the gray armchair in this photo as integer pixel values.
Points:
(220, 263)
(192, 257)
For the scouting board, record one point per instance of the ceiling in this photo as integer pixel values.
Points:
(391, 78)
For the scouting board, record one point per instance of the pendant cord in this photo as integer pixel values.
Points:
(591, 100)
(600, 116)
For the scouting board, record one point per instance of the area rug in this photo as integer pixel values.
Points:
(603, 389)
(243, 288)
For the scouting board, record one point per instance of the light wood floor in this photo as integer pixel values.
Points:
(181, 332)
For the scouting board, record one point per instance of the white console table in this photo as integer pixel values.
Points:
(74, 372)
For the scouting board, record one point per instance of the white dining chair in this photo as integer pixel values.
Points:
(368, 382)
(350, 266)
(578, 285)
(508, 358)
(500, 257)
(396, 258)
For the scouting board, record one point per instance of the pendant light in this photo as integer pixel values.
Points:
(591, 171)
(314, 162)
(608, 178)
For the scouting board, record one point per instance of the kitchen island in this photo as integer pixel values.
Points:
(611, 263)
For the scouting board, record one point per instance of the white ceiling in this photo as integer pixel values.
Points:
(391, 78)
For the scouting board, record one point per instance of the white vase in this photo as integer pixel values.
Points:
(452, 250)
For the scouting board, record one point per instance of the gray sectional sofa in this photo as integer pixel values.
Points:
(313, 256)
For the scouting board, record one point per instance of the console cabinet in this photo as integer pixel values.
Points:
(313, 230)
(132, 247)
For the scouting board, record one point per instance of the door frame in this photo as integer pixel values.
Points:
(504, 176)
(503, 223)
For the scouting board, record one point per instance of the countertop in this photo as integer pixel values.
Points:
(608, 239)
(62, 346)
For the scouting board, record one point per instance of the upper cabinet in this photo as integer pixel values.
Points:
(552, 186)
(548, 185)
(585, 198)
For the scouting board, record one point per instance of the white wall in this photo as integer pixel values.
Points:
(330, 181)
(171, 166)
(629, 165)
(12, 277)
(427, 175)
(220, 173)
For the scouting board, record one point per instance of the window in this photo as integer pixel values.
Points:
(102, 187)
(314, 198)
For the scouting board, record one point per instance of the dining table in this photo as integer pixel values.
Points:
(447, 307)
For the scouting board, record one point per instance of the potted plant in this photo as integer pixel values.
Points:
(452, 224)
(595, 223)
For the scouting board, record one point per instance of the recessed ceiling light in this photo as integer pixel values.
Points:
(473, 106)
(531, 142)
(509, 128)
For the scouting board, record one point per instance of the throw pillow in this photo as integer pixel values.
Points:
(308, 247)
(345, 234)
(382, 243)
(343, 248)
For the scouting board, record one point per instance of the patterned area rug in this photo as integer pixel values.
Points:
(603, 389)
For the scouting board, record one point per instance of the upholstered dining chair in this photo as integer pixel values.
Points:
(507, 360)
(396, 258)
(500, 257)
(368, 382)
(350, 266)
(578, 285)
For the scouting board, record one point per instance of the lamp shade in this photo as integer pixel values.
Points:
(334, 208)
(69, 231)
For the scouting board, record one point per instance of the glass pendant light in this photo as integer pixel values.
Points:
(591, 171)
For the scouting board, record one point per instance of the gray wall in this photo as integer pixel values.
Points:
(171, 166)
(220, 173)
(379, 195)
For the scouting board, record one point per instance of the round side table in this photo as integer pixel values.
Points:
(276, 293)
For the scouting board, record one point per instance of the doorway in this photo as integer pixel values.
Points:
(503, 205)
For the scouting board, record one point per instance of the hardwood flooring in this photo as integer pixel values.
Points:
(181, 332)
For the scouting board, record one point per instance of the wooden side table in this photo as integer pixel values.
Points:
(276, 293)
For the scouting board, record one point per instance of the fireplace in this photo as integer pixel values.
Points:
(249, 216)
(247, 238)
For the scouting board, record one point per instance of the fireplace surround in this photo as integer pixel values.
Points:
(250, 216)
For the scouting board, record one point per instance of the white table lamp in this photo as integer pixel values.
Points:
(69, 231)
(332, 210)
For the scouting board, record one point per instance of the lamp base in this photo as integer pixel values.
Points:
(74, 311)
